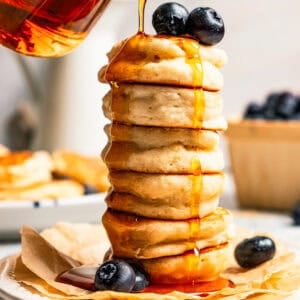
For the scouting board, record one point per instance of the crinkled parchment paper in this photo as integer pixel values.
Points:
(46, 255)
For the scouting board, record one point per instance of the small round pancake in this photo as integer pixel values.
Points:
(173, 61)
(47, 190)
(22, 169)
(84, 169)
(171, 190)
(162, 136)
(143, 238)
(214, 55)
(160, 208)
(174, 159)
(163, 106)
(189, 267)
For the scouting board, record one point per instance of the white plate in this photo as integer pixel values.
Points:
(276, 224)
(44, 213)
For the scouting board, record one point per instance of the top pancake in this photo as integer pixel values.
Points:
(175, 61)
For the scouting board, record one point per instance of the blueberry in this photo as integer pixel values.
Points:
(286, 105)
(296, 214)
(205, 25)
(271, 105)
(298, 104)
(272, 100)
(170, 18)
(255, 251)
(254, 111)
(295, 117)
(141, 280)
(115, 275)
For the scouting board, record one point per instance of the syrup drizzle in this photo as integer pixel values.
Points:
(142, 5)
(193, 59)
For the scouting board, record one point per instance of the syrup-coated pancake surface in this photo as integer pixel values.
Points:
(144, 238)
(214, 55)
(161, 60)
(189, 267)
(164, 106)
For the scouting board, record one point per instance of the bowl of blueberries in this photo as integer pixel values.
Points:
(264, 149)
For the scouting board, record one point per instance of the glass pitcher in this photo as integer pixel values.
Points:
(47, 28)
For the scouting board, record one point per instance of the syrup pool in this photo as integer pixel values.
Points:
(83, 277)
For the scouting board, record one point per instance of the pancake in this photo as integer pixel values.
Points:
(159, 60)
(22, 169)
(171, 190)
(162, 136)
(189, 267)
(86, 170)
(163, 106)
(214, 55)
(142, 238)
(160, 208)
(48, 190)
(174, 159)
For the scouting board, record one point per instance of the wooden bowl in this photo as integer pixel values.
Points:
(265, 161)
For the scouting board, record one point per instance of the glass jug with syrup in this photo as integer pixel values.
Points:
(47, 28)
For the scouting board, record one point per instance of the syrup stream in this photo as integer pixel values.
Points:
(142, 5)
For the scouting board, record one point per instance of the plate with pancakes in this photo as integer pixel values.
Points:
(39, 188)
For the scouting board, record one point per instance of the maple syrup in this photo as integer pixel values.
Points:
(47, 28)
(200, 288)
(142, 5)
(82, 277)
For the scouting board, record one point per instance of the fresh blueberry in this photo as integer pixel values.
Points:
(88, 189)
(295, 117)
(170, 18)
(286, 105)
(298, 104)
(205, 25)
(141, 280)
(296, 214)
(254, 111)
(115, 275)
(255, 251)
(271, 106)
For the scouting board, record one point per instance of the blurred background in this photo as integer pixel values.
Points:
(59, 100)
(56, 103)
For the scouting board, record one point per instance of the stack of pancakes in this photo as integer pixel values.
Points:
(164, 158)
